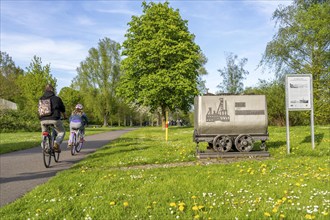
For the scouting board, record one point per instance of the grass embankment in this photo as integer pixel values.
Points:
(24, 140)
(113, 184)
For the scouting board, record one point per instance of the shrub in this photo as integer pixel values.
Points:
(12, 121)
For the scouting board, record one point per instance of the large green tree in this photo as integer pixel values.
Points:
(302, 46)
(162, 61)
(70, 98)
(233, 75)
(98, 77)
(32, 85)
(9, 74)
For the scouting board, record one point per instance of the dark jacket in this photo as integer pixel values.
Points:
(57, 106)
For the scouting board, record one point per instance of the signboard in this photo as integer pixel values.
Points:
(299, 95)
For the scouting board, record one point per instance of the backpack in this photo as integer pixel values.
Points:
(44, 107)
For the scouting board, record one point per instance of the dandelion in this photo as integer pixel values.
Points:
(267, 214)
(112, 203)
(181, 204)
(194, 197)
(125, 204)
(195, 208)
(173, 204)
(282, 216)
(308, 216)
(325, 213)
(38, 210)
(181, 208)
(196, 217)
(274, 210)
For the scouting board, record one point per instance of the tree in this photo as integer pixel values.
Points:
(162, 60)
(70, 98)
(233, 75)
(33, 84)
(9, 88)
(98, 77)
(202, 72)
(302, 46)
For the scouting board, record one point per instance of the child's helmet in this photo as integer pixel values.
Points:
(79, 106)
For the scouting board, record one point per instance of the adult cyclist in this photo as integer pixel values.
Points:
(57, 111)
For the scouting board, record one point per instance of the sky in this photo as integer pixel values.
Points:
(62, 32)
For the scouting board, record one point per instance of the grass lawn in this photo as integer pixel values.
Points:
(140, 176)
(23, 140)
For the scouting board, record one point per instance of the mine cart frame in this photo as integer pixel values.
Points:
(218, 142)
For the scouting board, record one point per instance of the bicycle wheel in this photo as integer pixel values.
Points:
(79, 143)
(55, 154)
(46, 151)
(74, 142)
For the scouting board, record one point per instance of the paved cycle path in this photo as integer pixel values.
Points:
(22, 171)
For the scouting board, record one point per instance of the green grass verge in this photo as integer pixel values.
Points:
(125, 180)
(24, 140)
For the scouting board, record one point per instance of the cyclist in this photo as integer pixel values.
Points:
(78, 120)
(54, 117)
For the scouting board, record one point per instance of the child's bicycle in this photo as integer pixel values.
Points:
(77, 141)
(47, 144)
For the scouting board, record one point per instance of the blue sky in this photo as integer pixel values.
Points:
(62, 32)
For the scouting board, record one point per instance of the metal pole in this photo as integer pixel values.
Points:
(287, 115)
(312, 111)
(312, 128)
(287, 132)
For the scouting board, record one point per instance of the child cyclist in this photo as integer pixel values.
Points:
(78, 120)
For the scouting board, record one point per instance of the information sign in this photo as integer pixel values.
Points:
(299, 97)
(299, 92)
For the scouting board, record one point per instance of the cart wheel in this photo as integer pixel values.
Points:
(244, 143)
(222, 143)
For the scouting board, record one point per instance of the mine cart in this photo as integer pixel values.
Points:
(231, 122)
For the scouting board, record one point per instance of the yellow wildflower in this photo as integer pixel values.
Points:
(112, 203)
(325, 213)
(125, 204)
(274, 210)
(194, 197)
(195, 208)
(266, 214)
(173, 204)
(308, 216)
(196, 217)
(282, 216)
(181, 208)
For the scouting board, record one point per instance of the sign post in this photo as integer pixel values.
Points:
(299, 97)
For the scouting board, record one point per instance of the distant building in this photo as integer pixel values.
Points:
(5, 104)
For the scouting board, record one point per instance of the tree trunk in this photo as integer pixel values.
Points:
(105, 120)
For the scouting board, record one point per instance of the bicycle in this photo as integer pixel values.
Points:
(47, 145)
(77, 141)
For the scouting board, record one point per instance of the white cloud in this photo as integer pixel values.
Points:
(62, 54)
